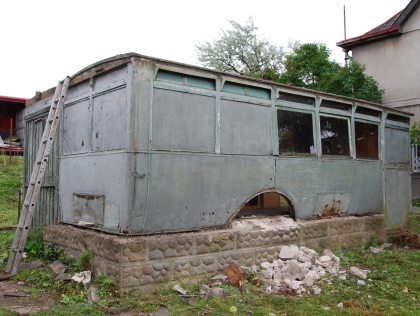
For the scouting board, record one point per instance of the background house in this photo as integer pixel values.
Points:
(391, 54)
(12, 108)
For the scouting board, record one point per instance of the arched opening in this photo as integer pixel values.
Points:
(267, 204)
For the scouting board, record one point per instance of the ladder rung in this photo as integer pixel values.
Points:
(56, 101)
(26, 204)
(49, 121)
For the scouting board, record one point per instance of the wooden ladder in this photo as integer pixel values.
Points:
(37, 176)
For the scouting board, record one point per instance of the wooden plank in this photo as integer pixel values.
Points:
(8, 227)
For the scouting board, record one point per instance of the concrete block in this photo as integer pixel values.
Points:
(253, 238)
(161, 247)
(314, 229)
(240, 258)
(285, 235)
(266, 254)
(133, 250)
(214, 242)
(192, 266)
(136, 275)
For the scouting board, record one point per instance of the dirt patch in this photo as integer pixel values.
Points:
(15, 297)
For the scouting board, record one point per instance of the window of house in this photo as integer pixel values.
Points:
(366, 140)
(295, 132)
(335, 136)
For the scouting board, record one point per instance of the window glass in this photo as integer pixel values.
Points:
(366, 140)
(295, 132)
(334, 136)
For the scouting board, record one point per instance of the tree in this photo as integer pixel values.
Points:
(240, 50)
(309, 66)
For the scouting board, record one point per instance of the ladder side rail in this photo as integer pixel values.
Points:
(37, 178)
(32, 182)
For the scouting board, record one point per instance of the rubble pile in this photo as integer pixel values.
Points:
(299, 268)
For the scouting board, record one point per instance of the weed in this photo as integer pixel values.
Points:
(374, 241)
(34, 246)
(52, 252)
(107, 286)
(84, 259)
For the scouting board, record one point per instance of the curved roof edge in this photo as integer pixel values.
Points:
(121, 59)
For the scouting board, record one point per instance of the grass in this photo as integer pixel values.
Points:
(394, 288)
(10, 183)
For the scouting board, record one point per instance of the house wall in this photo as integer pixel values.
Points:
(394, 63)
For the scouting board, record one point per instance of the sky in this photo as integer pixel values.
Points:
(43, 41)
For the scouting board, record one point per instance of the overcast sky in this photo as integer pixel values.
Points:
(43, 41)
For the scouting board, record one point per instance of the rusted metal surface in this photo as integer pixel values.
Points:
(332, 204)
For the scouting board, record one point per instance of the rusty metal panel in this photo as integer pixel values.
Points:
(89, 207)
(301, 179)
(332, 203)
(245, 128)
(397, 201)
(367, 188)
(191, 191)
(109, 120)
(397, 145)
(183, 121)
(76, 123)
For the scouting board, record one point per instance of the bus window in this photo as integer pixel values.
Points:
(335, 136)
(366, 140)
(295, 132)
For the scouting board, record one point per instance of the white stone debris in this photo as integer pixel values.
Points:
(340, 305)
(83, 277)
(298, 268)
(360, 282)
(326, 308)
(356, 272)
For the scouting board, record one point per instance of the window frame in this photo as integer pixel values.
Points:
(378, 124)
(304, 111)
(349, 133)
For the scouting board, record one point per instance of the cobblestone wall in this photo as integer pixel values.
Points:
(135, 262)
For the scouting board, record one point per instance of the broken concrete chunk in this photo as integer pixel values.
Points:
(217, 292)
(218, 280)
(308, 281)
(356, 272)
(324, 259)
(93, 295)
(179, 289)
(58, 267)
(83, 277)
(63, 277)
(265, 265)
(360, 282)
(342, 277)
(287, 253)
(317, 291)
(375, 250)
(31, 265)
(340, 305)
(204, 289)
(326, 308)
(328, 252)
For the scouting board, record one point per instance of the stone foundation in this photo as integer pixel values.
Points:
(136, 262)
